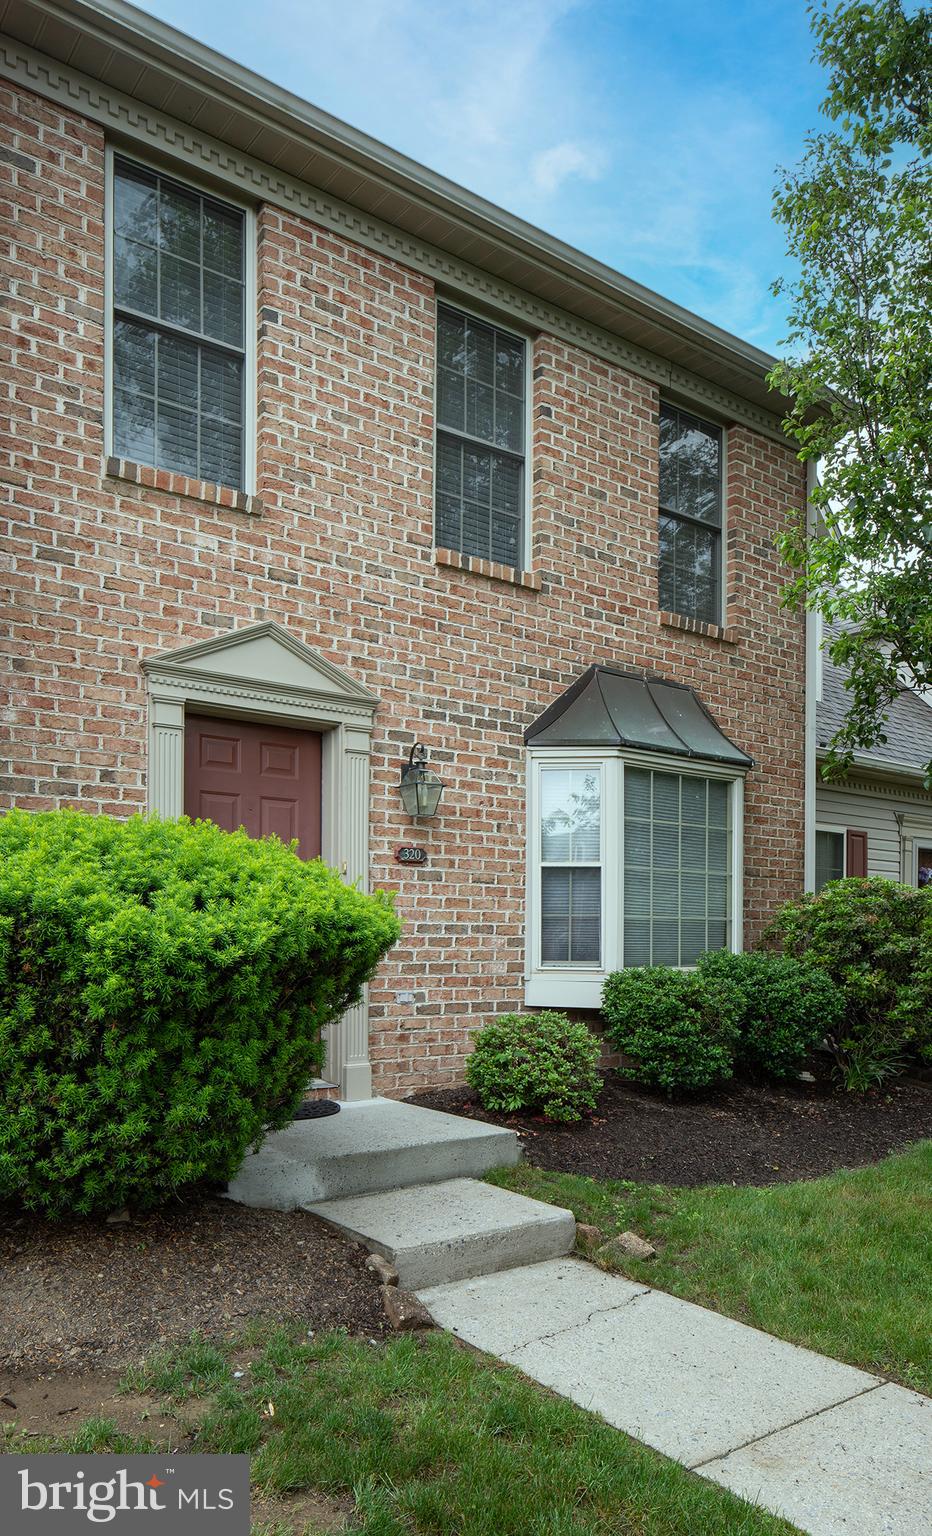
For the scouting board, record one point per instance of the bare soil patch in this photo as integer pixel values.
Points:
(743, 1134)
(300, 1512)
(81, 1294)
(57, 1403)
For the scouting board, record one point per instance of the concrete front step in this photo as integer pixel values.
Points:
(377, 1144)
(437, 1233)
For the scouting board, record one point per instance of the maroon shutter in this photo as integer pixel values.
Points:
(856, 854)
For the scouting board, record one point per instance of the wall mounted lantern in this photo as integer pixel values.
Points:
(420, 787)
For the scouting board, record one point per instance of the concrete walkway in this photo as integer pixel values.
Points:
(833, 1449)
(838, 1452)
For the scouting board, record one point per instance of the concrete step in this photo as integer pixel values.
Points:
(376, 1144)
(435, 1233)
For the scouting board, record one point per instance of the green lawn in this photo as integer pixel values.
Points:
(430, 1439)
(840, 1264)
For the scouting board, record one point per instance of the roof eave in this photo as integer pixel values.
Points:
(631, 309)
(881, 767)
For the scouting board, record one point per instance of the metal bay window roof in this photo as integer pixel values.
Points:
(607, 708)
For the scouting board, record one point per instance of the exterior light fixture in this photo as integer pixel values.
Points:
(420, 787)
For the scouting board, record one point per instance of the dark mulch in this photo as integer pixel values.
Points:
(80, 1293)
(743, 1134)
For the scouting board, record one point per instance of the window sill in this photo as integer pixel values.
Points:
(182, 485)
(727, 634)
(564, 989)
(490, 568)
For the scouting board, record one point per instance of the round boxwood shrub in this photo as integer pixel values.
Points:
(536, 1061)
(678, 1029)
(785, 1006)
(874, 939)
(163, 987)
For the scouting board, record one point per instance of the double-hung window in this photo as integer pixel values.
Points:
(571, 866)
(481, 432)
(179, 327)
(690, 516)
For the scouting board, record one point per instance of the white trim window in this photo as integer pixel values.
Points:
(180, 332)
(634, 859)
(831, 861)
(481, 451)
(691, 515)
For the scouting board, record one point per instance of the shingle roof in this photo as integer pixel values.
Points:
(908, 728)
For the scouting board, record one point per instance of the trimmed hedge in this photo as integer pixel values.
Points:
(678, 1028)
(538, 1061)
(874, 939)
(786, 1007)
(163, 987)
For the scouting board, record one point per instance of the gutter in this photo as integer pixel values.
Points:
(881, 766)
(810, 770)
(155, 42)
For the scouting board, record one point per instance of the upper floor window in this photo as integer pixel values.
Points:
(481, 431)
(179, 327)
(690, 516)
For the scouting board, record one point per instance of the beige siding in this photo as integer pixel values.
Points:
(873, 808)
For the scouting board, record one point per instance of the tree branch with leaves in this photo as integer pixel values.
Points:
(857, 212)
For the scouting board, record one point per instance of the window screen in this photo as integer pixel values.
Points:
(829, 857)
(677, 899)
(178, 327)
(690, 515)
(571, 866)
(480, 439)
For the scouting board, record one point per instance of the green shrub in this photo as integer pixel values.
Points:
(874, 939)
(538, 1061)
(785, 1006)
(678, 1028)
(163, 986)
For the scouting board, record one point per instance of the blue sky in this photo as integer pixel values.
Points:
(646, 132)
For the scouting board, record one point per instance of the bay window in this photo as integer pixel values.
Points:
(632, 862)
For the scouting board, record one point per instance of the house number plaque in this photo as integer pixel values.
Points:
(410, 855)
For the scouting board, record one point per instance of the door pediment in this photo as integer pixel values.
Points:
(263, 657)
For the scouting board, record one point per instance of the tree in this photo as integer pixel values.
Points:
(858, 216)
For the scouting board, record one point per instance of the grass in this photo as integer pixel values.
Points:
(429, 1439)
(839, 1264)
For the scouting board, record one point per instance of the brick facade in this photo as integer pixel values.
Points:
(337, 545)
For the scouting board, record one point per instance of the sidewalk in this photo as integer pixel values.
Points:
(833, 1449)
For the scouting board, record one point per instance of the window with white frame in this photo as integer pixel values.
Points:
(690, 515)
(481, 432)
(677, 867)
(631, 863)
(571, 866)
(179, 342)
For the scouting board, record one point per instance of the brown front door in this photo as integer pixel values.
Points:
(260, 777)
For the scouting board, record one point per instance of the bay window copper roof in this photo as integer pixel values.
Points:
(607, 708)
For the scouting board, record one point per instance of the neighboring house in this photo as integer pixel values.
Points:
(877, 821)
(316, 457)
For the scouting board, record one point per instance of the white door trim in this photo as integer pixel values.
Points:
(264, 673)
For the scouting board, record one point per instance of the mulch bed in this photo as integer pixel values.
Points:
(743, 1134)
(81, 1294)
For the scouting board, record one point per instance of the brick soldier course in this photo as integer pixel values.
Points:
(110, 563)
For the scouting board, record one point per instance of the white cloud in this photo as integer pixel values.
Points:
(552, 167)
(567, 112)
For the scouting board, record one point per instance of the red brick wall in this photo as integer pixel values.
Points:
(105, 572)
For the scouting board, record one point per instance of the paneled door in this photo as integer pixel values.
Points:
(264, 778)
